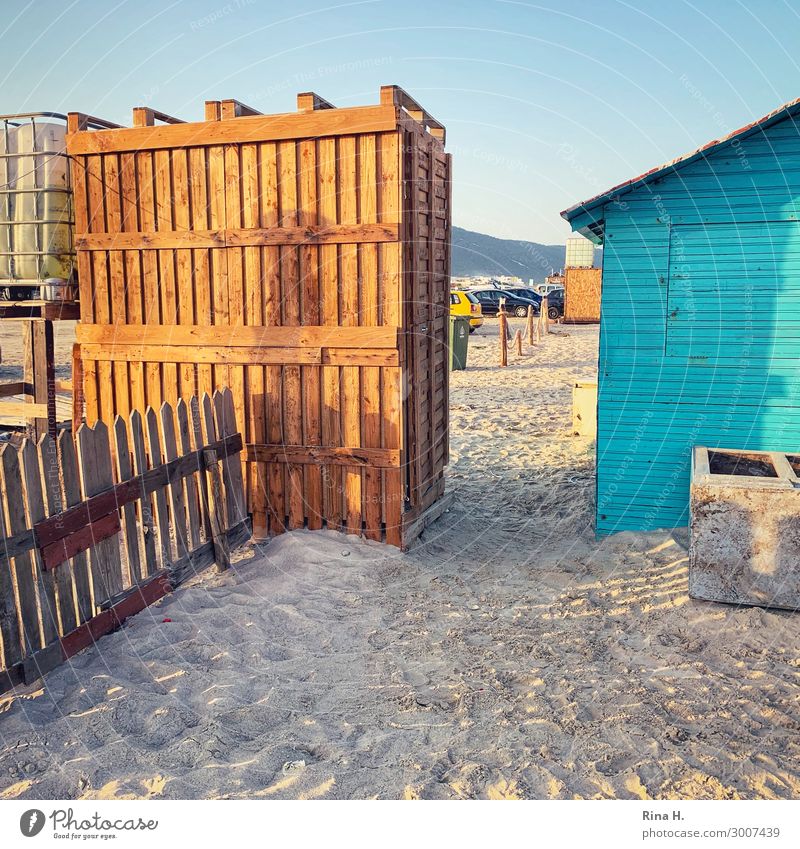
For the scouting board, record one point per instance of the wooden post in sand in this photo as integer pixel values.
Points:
(543, 315)
(518, 342)
(502, 319)
(529, 326)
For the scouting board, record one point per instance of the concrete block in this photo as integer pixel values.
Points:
(584, 409)
(745, 528)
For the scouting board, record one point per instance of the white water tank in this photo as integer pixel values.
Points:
(36, 227)
(580, 253)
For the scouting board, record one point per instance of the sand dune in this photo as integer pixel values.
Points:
(509, 655)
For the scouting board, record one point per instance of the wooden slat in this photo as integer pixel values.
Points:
(146, 514)
(124, 469)
(34, 508)
(53, 503)
(177, 497)
(333, 481)
(22, 572)
(380, 458)
(310, 281)
(268, 336)
(190, 482)
(70, 479)
(94, 456)
(162, 522)
(253, 423)
(357, 119)
(291, 298)
(236, 236)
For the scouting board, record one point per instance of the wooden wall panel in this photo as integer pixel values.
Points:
(347, 230)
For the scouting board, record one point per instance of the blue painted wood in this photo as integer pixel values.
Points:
(700, 324)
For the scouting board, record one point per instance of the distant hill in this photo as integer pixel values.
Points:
(476, 254)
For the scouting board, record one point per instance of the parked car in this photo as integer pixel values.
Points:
(555, 304)
(555, 299)
(489, 300)
(465, 303)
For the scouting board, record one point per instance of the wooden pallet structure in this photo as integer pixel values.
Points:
(34, 403)
(302, 259)
(100, 525)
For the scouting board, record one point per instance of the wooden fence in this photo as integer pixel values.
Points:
(98, 527)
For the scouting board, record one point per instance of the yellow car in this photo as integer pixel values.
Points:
(465, 303)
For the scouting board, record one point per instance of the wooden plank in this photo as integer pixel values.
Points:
(78, 401)
(253, 423)
(11, 643)
(190, 482)
(273, 482)
(53, 503)
(124, 470)
(220, 296)
(165, 217)
(83, 539)
(380, 458)
(116, 281)
(291, 300)
(228, 430)
(201, 258)
(327, 187)
(215, 505)
(349, 287)
(369, 315)
(168, 335)
(39, 373)
(81, 573)
(28, 410)
(183, 264)
(34, 509)
(357, 119)
(390, 313)
(198, 440)
(162, 521)
(146, 516)
(150, 275)
(22, 573)
(238, 236)
(177, 497)
(310, 375)
(94, 458)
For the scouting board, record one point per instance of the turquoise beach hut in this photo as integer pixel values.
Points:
(700, 323)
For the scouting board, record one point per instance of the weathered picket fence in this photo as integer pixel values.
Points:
(99, 526)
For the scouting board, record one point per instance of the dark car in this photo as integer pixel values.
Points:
(555, 300)
(489, 300)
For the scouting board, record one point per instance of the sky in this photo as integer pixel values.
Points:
(545, 104)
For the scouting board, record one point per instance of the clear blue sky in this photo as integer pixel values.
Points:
(545, 104)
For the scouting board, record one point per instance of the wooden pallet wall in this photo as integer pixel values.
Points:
(275, 255)
(582, 295)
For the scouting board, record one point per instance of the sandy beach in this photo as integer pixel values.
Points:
(509, 654)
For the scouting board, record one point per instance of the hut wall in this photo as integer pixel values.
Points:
(698, 341)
